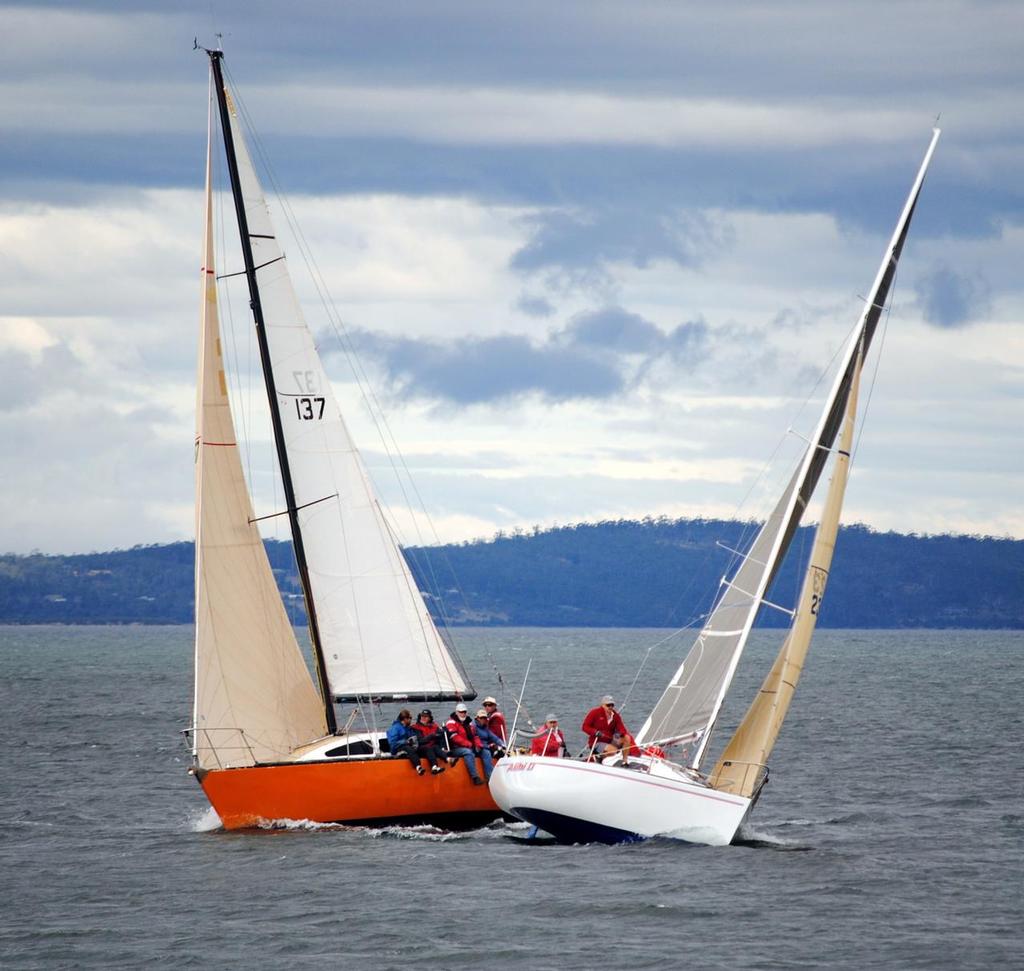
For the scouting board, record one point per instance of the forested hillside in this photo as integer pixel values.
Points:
(651, 573)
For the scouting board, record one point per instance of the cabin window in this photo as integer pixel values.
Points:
(361, 747)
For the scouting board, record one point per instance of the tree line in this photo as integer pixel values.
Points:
(626, 573)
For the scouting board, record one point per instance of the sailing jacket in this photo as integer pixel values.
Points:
(398, 734)
(487, 737)
(548, 741)
(600, 728)
(430, 734)
(496, 723)
(462, 734)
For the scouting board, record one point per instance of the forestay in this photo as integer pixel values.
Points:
(254, 698)
(690, 704)
(377, 637)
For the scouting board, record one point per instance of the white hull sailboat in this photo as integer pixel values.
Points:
(266, 744)
(658, 795)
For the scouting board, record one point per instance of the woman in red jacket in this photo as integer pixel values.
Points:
(549, 740)
(606, 732)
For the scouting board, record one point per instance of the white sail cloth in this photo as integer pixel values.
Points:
(377, 637)
(254, 698)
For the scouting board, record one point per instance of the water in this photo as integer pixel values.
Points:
(890, 835)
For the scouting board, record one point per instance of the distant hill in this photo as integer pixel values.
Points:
(654, 573)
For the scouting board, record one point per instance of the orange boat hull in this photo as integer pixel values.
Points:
(362, 792)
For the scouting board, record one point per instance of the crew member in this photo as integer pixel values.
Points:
(606, 732)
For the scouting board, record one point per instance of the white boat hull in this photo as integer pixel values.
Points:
(586, 802)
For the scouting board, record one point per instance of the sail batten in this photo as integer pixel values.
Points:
(706, 673)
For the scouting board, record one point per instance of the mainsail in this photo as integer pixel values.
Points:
(254, 698)
(690, 704)
(372, 630)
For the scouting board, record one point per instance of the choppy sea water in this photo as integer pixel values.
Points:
(891, 834)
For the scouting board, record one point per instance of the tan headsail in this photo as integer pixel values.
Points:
(254, 697)
(739, 768)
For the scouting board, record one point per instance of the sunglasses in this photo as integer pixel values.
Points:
(490, 704)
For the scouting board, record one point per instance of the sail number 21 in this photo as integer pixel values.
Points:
(309, 408)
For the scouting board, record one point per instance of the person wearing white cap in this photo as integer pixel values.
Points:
(490, 742)
(549, 739)
(606, 732)
(466, 744)
(496, 720)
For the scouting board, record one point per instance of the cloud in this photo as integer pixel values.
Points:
(951, 299)
(577, 248)
(615, 329)
(25, 378)
(598, 354)
(534, 306)
(470, 370)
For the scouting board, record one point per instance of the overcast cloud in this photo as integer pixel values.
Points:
(594, 255)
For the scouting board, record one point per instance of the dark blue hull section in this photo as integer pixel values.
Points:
(566, 829)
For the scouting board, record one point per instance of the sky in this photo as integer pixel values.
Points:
(589, 260)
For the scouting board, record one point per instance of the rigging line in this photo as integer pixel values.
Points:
(878, 364)
(377, 414)
(284, 512)
(761, 478)
(226, 276)
(647, 655)
(750, 527)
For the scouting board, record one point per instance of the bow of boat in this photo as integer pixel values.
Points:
(587, 802)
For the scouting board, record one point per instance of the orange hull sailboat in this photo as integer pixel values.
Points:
(265, 741)
(365, 792)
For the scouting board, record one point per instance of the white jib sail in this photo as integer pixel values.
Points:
(254, 697)
(377, 636)
(690, 704)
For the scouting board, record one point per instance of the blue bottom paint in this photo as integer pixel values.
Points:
(567, 829)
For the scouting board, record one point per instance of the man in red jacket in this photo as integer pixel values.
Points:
(549, 740)
(466, 745)
(496, 720)
(606, 732)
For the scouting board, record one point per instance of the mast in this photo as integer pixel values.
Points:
(268, 376)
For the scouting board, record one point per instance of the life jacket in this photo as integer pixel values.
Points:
(462, 734)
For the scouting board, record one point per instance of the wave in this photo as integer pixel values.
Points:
(204, 820)
(766, 837)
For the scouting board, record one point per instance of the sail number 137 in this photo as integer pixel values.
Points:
(309, 409)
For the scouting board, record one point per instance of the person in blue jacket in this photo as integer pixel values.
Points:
(403, 741)
(490, 743)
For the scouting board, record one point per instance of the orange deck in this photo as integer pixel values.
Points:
(365, 791)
